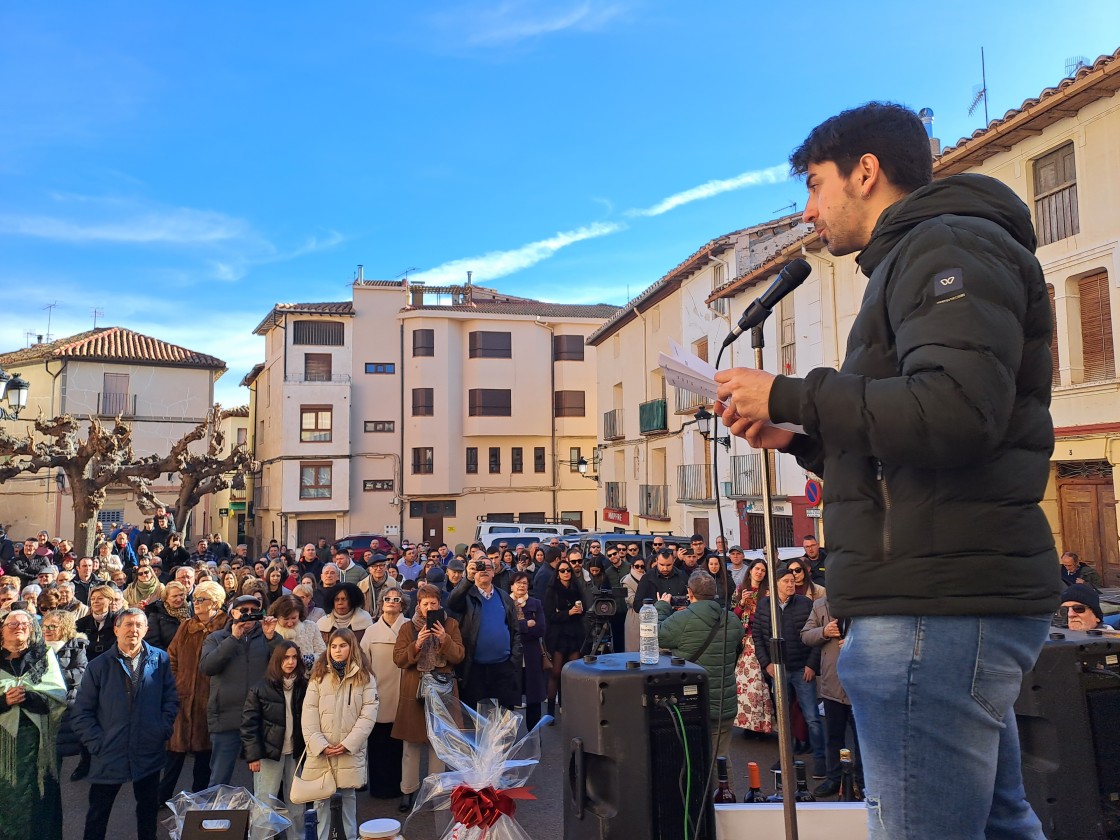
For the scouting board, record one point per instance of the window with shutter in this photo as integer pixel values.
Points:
(317, 367)
(1096, 328)
(1056, 378)
(1055, 195)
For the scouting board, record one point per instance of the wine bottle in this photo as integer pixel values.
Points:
(847, 777)
(802, 794)
(755, 792)
(723, 783)
(776, 796)
(338, 830)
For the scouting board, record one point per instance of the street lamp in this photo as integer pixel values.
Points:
(704, 426)
(15, 388)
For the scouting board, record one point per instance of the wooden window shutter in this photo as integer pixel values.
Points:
(1096, 327)
(1055, 378)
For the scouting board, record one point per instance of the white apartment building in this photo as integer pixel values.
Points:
(658, 468)
(413, 410)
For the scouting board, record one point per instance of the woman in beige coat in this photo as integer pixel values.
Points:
(385, 752)
(339, 712)
(420, 649)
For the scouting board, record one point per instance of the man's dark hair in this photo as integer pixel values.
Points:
(893, 133)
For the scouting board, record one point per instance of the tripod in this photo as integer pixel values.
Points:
(599, 641)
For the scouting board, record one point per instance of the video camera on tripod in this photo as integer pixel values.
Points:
(604, 607)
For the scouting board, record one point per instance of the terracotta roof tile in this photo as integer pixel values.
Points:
(114, 344)
(343, 308)
(527, 307)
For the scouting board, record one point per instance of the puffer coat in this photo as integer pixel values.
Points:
(684, 632)
(340, 712)
(264, 718)
(72, 661)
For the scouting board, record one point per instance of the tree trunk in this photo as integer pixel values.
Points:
(85, 522)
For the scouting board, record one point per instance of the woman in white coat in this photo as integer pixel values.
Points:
(385, 751)
(339, 712)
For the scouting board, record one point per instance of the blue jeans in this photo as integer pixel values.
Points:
(349, 814)
(933, 698)
(225, 749)
(275, 780)
(806, 693)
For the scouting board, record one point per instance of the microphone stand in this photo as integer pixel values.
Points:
(777, 643)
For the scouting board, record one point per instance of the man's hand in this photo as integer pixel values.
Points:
(744, 394)
(831, 630)
(665, 596)
(770, 670)
(268, 625)
(254, 767)
(810, 674)
(239, 628)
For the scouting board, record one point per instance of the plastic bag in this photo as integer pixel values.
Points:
(489, 767)
(265, 820)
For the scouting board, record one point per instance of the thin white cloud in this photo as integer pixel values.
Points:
(228, 245)
(770, 175)
(495, 264)
(515, 21)
(178, 226)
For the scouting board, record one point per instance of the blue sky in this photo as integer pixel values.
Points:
(182, 167)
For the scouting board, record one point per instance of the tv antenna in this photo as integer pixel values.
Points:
(980, 94)
(96, 312)
(1074, 64)
(792, 207)
(50, 312)
(406, 272)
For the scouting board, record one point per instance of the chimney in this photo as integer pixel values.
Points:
(361, 272)
(926, 116)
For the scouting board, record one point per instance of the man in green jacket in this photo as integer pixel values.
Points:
(702, 633)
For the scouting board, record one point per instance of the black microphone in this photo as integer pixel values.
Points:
(792, 276)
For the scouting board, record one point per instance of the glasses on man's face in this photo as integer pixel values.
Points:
(633, 550)
(1079, 609)
(659, 545)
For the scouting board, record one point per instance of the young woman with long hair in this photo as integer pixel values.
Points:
(339, 712)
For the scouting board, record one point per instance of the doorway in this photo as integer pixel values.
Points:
(1088, 511)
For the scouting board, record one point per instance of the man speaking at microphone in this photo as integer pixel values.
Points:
(933, 440)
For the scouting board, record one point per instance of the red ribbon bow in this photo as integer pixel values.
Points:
(484, 807)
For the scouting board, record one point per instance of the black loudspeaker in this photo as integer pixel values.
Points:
(1068, 714)
(624, 755)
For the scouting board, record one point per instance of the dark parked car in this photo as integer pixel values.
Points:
(358, 543)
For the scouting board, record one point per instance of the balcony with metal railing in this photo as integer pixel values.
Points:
(313, 378)
(694, 484)
(115, 404)
(746, 475)
(616, 495)
(653, 501)
(687, 401)
(653, 417)
(612, 425)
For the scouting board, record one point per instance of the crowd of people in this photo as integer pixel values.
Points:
(135, 665)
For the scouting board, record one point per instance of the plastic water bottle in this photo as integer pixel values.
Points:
(647, 634)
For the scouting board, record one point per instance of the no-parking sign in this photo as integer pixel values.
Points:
(813, 492)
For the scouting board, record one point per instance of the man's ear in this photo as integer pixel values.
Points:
(867, 174)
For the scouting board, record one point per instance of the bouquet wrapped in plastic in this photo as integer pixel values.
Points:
(265, 821)
(487, 768)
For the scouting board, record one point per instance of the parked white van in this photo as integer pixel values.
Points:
(487, 531)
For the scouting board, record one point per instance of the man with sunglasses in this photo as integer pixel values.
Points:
(655, 545)
(1081, 606)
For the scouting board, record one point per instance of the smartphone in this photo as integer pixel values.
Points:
(434, 617)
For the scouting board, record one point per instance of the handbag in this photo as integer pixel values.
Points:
(546, 657)
(442, 684)
(311, 788)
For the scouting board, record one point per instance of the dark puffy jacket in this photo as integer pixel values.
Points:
(466, 600)
(161, 626)
(653, 586)
(934, 437)
(233, 665)
(264, 717)
(684, 632)
(72, 661)
(99, 640)
(125, 736)
(796, 613)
